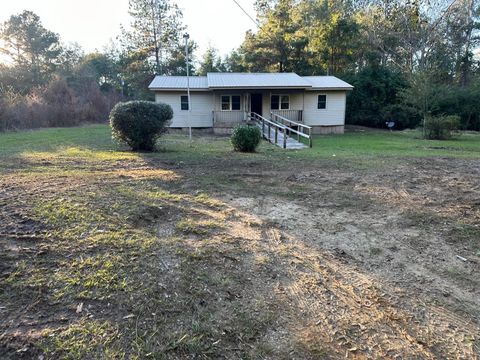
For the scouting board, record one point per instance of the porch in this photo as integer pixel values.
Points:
(232, 107)
(294, 115)
(230, 119)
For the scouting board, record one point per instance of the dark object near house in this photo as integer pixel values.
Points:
(140, 123)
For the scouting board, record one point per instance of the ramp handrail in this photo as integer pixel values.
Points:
(269, 123)
(282, 120)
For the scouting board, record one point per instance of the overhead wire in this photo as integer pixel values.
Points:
(246, 13)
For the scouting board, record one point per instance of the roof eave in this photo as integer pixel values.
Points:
(330, 88)
(258, 87)
(176, 89)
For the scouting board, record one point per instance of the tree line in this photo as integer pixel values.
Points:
(408, 59)
(45, 82)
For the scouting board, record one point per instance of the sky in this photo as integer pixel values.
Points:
(92, 23)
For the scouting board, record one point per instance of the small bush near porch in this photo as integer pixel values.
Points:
(246, 138)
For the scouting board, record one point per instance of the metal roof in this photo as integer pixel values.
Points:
(327, 83)
(178, 83)
(249, 81)
(256, 80)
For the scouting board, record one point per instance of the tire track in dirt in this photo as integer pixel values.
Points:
(342, 309)
(336, 309)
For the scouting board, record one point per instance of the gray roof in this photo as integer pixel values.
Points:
(249, 81)
(178, 83)
(256, 80)
(327, 83)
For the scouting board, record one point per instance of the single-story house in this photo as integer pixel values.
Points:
(219, 101)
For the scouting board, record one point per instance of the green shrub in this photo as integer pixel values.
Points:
(246, 138)
(140, 123)
(441, 127)
(405, 117)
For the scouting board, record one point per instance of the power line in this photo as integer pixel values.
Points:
(246, 13)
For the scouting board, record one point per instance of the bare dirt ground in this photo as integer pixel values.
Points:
(383, 261)
(167, 259)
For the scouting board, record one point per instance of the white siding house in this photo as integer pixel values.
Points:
(334, 112)
(202, 106)
(220, 101)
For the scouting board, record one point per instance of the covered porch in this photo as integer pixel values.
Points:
(232, 107)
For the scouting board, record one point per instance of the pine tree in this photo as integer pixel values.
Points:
(32, 48)
(157, 30)
(211, 62)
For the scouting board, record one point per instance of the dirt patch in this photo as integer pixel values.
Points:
(318, 261)
(398, 227)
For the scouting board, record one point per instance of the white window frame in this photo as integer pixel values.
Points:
(280, 101)
(181, 102)
(230, 102)
(326, 101)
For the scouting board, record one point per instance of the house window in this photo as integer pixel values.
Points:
(235, 102)
(322, 102)
(184, 102)
(225, 102)
(275, 102)
(231, 102)
(280, 102)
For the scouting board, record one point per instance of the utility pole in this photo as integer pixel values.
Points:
(186, 37)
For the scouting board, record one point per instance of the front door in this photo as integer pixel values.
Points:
(256, 103)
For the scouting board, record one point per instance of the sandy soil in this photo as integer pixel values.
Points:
(379, 247)
(320, 261)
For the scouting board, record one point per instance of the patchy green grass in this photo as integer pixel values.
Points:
(468, 235)
(95, 142)
(91, 277)
(83, 337)
(108, 253)
(393, 144)
(191, 226)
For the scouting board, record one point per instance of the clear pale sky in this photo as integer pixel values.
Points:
(91, 23)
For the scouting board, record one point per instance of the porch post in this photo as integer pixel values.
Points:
(245, 106)
(213, 111)
(303, 103)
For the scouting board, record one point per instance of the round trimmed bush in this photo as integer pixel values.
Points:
(246, 138)
(140, 123)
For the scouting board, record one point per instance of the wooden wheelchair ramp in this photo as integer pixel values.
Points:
(290, 143)
(279, 131)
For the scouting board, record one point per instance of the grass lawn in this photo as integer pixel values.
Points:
(365, 246)
(355, 144)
